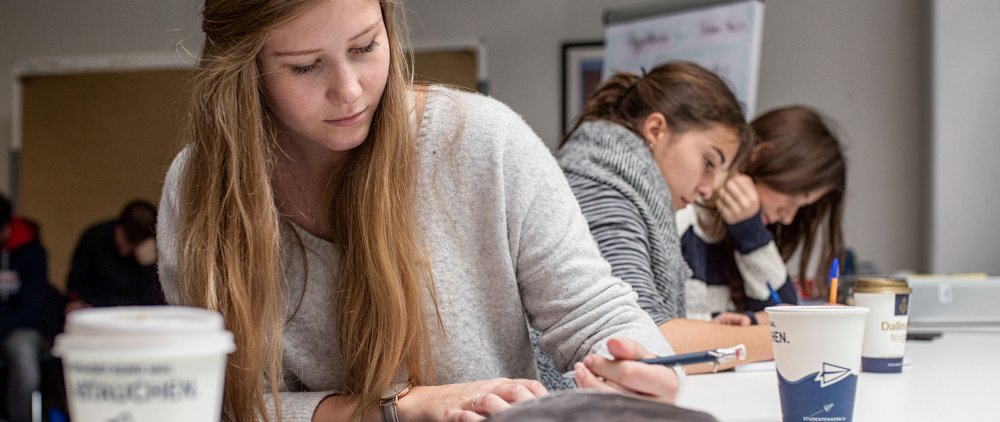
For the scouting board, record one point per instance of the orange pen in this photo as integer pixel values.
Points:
(834, 275)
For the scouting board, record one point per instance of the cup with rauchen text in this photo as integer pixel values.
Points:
(817, 354)
(144, 364)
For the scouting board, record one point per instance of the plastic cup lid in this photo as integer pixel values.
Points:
(816, 310)
(881, 285)
(148, 329)
(143, 320)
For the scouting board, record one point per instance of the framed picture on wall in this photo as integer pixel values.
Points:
(582, 68)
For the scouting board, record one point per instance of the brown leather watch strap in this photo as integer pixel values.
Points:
(388, 406)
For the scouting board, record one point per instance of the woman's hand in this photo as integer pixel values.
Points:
(466, 402)
(738, 199)
(655, 382)
(732, 318)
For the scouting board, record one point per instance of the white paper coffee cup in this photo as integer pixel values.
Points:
(817, 353)
(885, 329)
(144, 364)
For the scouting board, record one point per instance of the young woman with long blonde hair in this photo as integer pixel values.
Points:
(374, 244)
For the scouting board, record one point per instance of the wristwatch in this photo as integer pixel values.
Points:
(388, 406)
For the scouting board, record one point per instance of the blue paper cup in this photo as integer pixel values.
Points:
(817, 354)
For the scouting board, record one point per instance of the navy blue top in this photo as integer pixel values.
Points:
(707, 259)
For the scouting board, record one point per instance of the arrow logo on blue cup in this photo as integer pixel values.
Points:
(831, 374)
(826, 408)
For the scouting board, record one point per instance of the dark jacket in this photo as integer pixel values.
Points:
(100, 276)
(37, 304)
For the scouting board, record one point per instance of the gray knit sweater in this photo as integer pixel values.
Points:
(627, 205)
(508, 248)
(629, 211)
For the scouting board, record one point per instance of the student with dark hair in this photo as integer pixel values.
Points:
(788, 194)
(113, 264)
(645, 146)
(24, 284)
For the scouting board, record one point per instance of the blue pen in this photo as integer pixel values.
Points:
(774, 294)
(834, 276)
(716, 356)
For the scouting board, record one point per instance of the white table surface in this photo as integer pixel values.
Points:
(953, 378)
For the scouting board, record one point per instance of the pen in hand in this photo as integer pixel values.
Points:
(716, 357)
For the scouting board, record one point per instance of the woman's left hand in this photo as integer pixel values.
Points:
(738, 199)
(624, 374)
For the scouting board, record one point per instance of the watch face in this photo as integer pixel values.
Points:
(403, 389)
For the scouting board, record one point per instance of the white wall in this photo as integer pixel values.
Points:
(966, 136)
(859, 61)
(523, 39)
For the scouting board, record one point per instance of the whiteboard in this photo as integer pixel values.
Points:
(724, 38)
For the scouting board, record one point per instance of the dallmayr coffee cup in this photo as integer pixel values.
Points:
(143, 364)
(888, 301)
(817, 354)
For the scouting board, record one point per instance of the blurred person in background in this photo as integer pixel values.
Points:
(24, 285)
(114, 261)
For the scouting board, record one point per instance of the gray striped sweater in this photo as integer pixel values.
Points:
(628, 208)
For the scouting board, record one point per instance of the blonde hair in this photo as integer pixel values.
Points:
(230, 224)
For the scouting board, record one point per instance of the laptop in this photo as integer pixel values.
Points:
(954, 299)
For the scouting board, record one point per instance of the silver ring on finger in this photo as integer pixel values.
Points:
(474, 398)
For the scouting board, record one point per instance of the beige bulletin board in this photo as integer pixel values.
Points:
(90, 142)
(453, 67)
